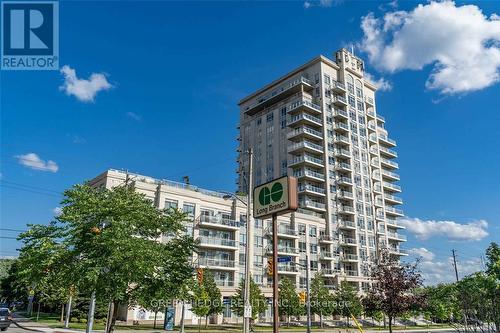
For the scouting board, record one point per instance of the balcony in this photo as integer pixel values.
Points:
(284, 232)
(217, 263)
(340, 152)
(396, 236)
(326, 239)
(394, 211)
(384, 139)
(343, 209)
(377, 187)
(288, 269)
(347, 225)
(306, 132)
(338, 86)
(330, 272)
(281, 92)
(206, 241)
(341, 180)
(284, 250)
(345, 195)
(398, 251)
(371, 114)
(390, 164)
(218, 222)
(341, 127)
(341, 139)
(346, 241)
(369, 101)
(309, 174)
(392, 199)
(388, 152)
(340, 114)
(351, 273)
(390, 175)
(325, 255)
(306, 159)
(311, 189)
(391, 187)
(391, 222)
(380, 118)
(373, 138)
(314, 205)
(305, 145)
(224, 283)
(342, 166)
(303, 104)
(339, 100)
(305, 118)
(348, 257)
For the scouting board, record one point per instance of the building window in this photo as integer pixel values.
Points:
(188, 208)
(327, 79)
(313, 248)
(302, 229)
(270, 117)
(312, 231)
(171, 204)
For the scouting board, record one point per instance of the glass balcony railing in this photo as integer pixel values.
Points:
(384, 137)
(392, 198)
(207, 261)
(394, 210)
(392, 186)
(342, 152)
(347, 224)
(341, 138)
(217, 241)
(300, 102)
(311, 188)
(311, 203)
(224, 283)
(390, 174)
(303, 130)
(305, 144)
(389, 162)
(309, 173)
(340, 112)
(305, 116)
(389, 151)
(218, 219)
(339, 125)
(305, 158)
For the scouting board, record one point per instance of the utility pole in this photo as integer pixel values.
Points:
(453, 252)
(276, 317)
(308, 296)
(249, 247)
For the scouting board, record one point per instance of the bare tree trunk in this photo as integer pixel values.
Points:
(114, 314)
(62, 313)
(154, 323)
(390, 324)
(321, 319)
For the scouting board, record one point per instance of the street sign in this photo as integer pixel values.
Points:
(247, 313)
(278, 196)
(284, 259)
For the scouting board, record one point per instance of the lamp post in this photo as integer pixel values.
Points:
(247, 312)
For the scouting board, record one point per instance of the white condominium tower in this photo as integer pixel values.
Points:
(320, 124)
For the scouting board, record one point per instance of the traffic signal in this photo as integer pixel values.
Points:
(302, 296)
(199, 274)
(270, 266)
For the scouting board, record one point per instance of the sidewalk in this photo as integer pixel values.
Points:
(34, 326)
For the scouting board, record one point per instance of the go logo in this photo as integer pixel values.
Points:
(275, 194)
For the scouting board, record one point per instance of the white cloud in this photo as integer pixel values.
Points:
(460, 43)
(381, 84)
(423, 253)
(321, 3)
(134, 116)
(57, 211)
(472, 231)
(83, 90)
(439, 271)
(33, 161)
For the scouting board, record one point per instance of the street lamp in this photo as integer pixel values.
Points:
(247, 312)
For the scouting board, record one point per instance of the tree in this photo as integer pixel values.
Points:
(347, 301)
(289, 301)
(320, 298)
(493, 281)
(394, 290)
(113, 242)
(257, 300)
(441, 302)
(200, 301)
(214, 294)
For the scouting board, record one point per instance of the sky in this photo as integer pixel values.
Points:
(153, 87)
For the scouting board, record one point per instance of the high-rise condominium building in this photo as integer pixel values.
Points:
(320, 124)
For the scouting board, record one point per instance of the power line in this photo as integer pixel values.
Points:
(15, 230)
(12, 187)
(31, 186)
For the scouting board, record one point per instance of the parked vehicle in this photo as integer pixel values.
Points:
(5, 318)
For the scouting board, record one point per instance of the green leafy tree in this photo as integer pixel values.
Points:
(493, 282)
(257, 300)
(214, 294)
(200, 301)
(289, 300)
(320, 298)
(347, 301)
(114, 242)
(441, 305)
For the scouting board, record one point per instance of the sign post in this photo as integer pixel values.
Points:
(274, 198)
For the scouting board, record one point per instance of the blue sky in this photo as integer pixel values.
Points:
(170, 73)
